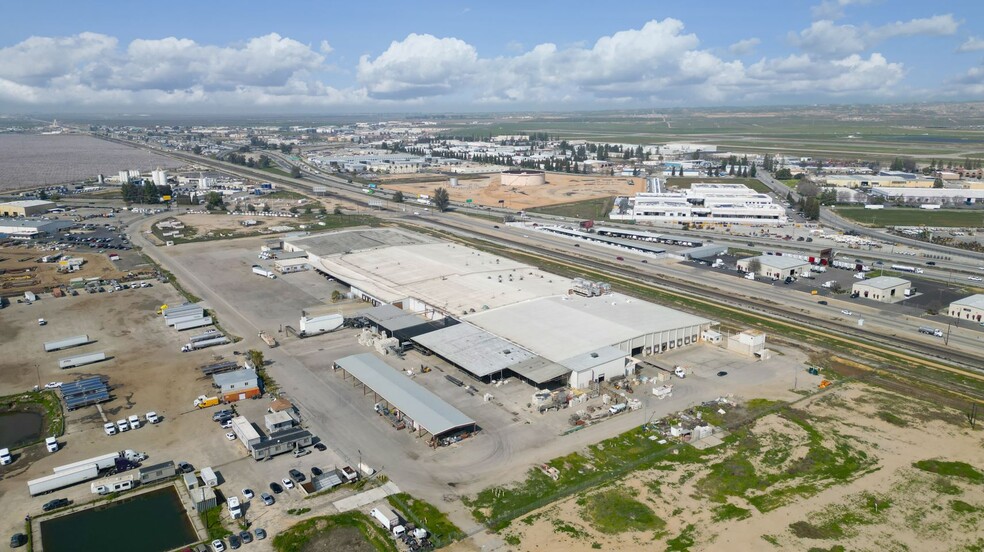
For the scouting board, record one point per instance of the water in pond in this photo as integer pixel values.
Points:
(151, 522)
(19, 428)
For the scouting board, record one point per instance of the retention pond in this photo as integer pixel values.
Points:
(19, 428)
(149, 522)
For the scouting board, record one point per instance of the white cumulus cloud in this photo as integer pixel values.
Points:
(744, 47)
(825, 37)
(972, 44)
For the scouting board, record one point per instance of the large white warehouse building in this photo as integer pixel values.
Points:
(513, 317)
(702, 203)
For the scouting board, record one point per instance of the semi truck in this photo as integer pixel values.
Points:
(204, 402)
(104, 462)
(211, 334)
(62, 479)
(931, 331)
(204, 344)
(257, 269)
(906, 268)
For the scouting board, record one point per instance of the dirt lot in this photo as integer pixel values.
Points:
(761, 491)
(45, 275)
(560, 188)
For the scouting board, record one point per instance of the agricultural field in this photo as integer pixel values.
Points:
(593, 209)
(834, 471)
(955, 218)
(30, 160)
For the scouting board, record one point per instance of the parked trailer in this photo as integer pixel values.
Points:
(268, 339)
(386, 517)
(196, 323)
(66, 343)
(320, 324)
(184, 317)
(81, 360)
(104, 462)
(180, 309)
(62, 479)
(204, 344)
(257, 269)
(211, 334)
(219, 367)
(113, 484)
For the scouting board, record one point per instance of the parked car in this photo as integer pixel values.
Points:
(287, 483)
(20, 539)
(296, 475)
(276, 488)
(267, 499)
(185, 467)
(315, 471)
(234, 542)
(231, 436)
(260, 534)
(248, 494)
(55, 504)
(320, 446)
(246, 537)
(218, 545)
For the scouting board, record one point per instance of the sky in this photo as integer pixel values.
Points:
(387, 56)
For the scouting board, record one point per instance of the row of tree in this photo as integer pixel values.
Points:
(144, 192)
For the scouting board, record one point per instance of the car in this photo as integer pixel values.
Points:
(42, 322)
(276, 488)
(231, 436)
(316, 471)
(975, 278)
(17, 540)
(495, 226)
(301, 452)
(821, 302)
(53, 385)
(931, 263)
(722, 373)
(847, 312)
(287, 483)
(267, 499)
(320, 446)
(227, 424)
(217, 416)
(881, 263)
(185, 467)
(248, 494)
(260, 534)
(218, 545)
(296, 475)
(246, 537)
(234, 542)
(619, 258)
(55, 504)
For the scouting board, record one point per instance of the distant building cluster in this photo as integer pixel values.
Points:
(702, 203)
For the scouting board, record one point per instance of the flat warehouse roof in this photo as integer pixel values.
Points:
(474, 349)
(562, 327)
(780, 261)
(883, 282)
(974, 301)
(393, 318)
(346, 241)
(422, 406)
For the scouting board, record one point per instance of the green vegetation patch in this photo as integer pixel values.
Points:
(839, 521)
(614, 511)
(892, 418)
(284, 194)
(728, 511)
(210, 518)
(570, 529)
(316, 534)
(683, 541)
(426, 515)
(589, 209)
(962, 507)
(954, 469)
(913, 217)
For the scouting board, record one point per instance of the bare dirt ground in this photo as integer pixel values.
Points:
(890, 506)
(488, 190)
(45, 275)
(339, 538)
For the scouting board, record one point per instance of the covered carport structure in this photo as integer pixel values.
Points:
(419, 408)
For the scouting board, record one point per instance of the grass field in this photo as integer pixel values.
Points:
(319, 533)
(594, 209)
(425, 514)
(913, 217)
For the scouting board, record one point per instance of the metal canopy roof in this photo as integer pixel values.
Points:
(418, 403)
(480, 352)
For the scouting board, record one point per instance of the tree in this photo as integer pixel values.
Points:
(337, 210)
(441, 199)
(938, 183)
(755, 266)
(42, 195)
(250, 207)
(807, 188)
(295, 171)
(293, 210)
(255, 358)
(811, 208)
(197, 150)
(784, 174)
(752, 171)
(336, 296)
(307, 210)
(213, 200)
(398, 197)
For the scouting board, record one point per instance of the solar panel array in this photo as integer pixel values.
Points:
(85, 392)
(220, 367)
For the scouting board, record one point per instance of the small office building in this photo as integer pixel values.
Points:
(886, 289)
(968, 308)
(774, 266)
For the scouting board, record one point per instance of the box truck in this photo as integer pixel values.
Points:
(257, 269)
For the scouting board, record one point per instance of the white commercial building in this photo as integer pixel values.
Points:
(159, 177)
(968, 308)
(25, 208)
(930, 195)
(774, 266)
(702, 203)
(886, 289)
